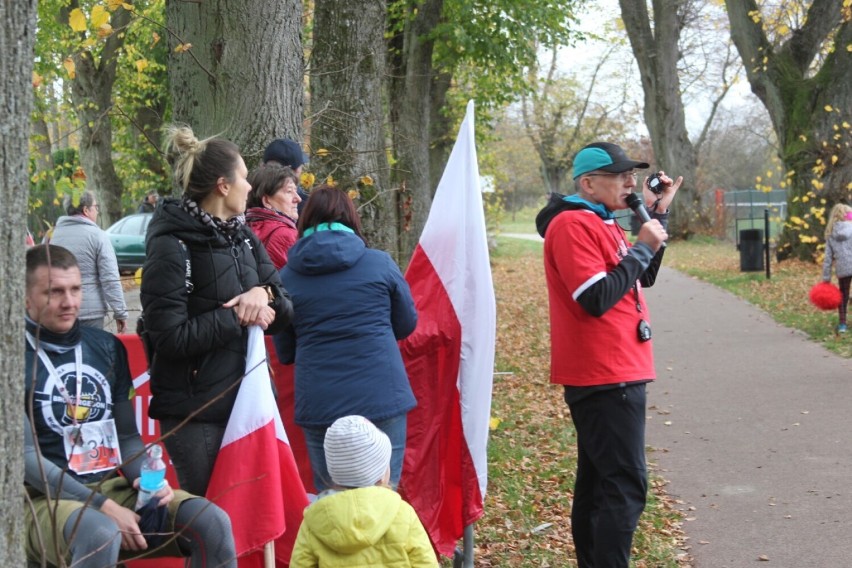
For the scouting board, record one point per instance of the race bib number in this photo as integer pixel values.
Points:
(92, 447)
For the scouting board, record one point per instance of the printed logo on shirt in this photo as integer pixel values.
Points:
(95, 398)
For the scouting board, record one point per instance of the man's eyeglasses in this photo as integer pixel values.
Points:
(96, 207)
(621, 176)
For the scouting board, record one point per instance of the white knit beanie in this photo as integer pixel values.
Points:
(357, 453)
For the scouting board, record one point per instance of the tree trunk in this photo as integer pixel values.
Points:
(150, 120)
(43, 188)
(810, 107)
(347, 82)
(443, 134)
(44, 149)
(17, 36)
(242, 77)
(410, 110)
(148, 125)
(91, 93)
(657, 53)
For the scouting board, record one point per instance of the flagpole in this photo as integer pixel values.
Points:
(269, 554)
(464, 558)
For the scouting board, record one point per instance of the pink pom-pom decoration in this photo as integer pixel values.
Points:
(825, 296)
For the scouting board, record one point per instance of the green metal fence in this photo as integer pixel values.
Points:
(745, 209)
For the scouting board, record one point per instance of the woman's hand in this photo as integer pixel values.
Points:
(664, 199)
(252, 308)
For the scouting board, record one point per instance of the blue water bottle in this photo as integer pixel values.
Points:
(153, 475)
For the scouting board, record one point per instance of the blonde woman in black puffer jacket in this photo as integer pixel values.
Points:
(207, 278)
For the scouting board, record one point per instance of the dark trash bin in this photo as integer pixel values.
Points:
(751, 250)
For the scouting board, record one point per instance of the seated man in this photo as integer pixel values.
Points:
(81, 429)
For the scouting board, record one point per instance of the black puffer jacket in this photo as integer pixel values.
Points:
(200, 348)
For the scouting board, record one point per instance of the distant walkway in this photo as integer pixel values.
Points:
(524, 236)
(752, 425)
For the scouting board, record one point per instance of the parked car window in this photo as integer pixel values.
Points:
(133, 225)
(127, 236)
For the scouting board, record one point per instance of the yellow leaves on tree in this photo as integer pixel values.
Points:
(113, 5)
(104, 31)
(77, 20)
(99, 16)
(70, 67)
(141, 65)
(98, 20)
(183, 47)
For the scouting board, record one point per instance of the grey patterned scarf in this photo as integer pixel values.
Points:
(229, 227)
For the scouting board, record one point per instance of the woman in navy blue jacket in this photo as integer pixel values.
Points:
(351, 305)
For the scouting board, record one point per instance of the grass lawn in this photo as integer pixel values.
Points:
(523, 222)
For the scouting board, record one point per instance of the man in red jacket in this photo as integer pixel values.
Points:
(601, 342)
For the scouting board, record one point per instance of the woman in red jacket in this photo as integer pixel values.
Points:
(273, 209)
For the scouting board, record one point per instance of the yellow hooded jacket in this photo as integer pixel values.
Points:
(369, 526)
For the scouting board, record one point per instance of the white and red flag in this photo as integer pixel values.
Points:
(255, 479)
(450, 356)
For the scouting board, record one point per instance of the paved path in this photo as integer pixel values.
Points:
(752, 425)
(524, 236)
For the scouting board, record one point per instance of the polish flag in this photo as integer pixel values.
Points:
(450, 356)
(255, 479)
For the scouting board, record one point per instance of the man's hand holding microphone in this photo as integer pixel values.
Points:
(658, 191)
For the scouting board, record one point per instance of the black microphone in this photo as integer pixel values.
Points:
(635, 203)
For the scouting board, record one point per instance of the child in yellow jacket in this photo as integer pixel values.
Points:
(362, 522)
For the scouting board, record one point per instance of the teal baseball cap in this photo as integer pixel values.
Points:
(605, 157)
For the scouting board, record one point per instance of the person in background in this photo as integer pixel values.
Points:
(361, 521)
(206, 279)
(351, 306)
(838, 251)
(288, 153)
(82, 430)
(600, 342)
(102, 290)
(149, 203)
(274, 209)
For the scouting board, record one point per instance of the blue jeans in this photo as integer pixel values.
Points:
(395, 428)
